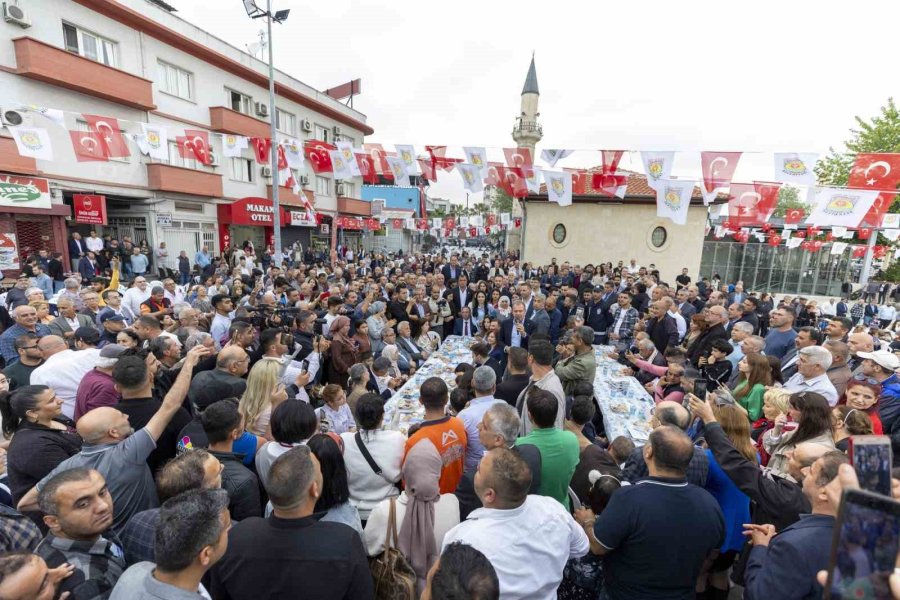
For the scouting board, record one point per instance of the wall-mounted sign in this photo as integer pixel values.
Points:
(89, 209)
(164, 219)
(26, 192)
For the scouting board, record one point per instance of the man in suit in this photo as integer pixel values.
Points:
(460, 295)
(77, 248)
(806, 337)
(735, 313)
(749, 306)
(406, 344)
(398, 309)
(516, 376)
(526, 294)
(68, 321)
(465, 325)
(685, 307)
(540, 319)
(716, 317)
(842, 309)
(661, 328)
(87, 267)
(647, 352)
(515, 331)
(453, 270)
(481, 356)
(738, 295)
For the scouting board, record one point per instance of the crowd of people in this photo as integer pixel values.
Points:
(218, 430)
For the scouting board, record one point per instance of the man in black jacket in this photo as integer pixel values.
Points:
(295, 550)
(516, 376)
(749, 306)
(223, 424)
(716, 317)
(662, 328)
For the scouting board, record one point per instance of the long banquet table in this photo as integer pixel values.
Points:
(625, 405)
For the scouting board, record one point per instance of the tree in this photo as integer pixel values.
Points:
(789, 198)
(503, 202)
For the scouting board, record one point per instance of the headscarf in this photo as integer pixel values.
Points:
(336, 326)
(391, 353)
(421, 472)
(504, 312)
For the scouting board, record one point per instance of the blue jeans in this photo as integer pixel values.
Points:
(184, 278)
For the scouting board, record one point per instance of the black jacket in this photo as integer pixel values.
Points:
(778, 501)
(663, 332)
(36, 450)
(242, 486)
(465, 490)
(702, 346)
(510, 389)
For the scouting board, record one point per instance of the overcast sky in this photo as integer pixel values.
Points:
(642, 75)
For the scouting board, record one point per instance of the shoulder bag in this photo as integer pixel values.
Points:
(392, 574)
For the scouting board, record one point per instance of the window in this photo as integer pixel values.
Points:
(348, 190)
(559, 233)
(658, 237)
(285, 122)
(322, 133)
(240, 102)
(323, 185)
(176, 161)
(174, 80)
(347, 138)
(242, 169)
(90, 45)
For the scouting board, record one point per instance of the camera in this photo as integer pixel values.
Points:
(442, 303)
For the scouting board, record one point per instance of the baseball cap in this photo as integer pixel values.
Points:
(111, 316)
(883, 358)
(111, 351)
(88, 335)
(598, 288)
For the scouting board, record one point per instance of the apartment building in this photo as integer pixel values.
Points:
(137, 62)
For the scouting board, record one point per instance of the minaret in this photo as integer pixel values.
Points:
(526, 133)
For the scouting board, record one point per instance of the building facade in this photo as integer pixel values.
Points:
(527, 132)
(136, 62)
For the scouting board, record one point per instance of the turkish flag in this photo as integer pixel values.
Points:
(878, 209)
(520, 158)
(428, 168)
(88, 146)
(491, 220)
(863, 233)
(877, 171)
(450, 223)
(611, 160)
(440, 161)
(282, 158)
(579, 181)
(473, 231)
(397, 223)
(859, 251)
(718, 168)
(422, 224)
(747, 206)
(879, 251)
(261, 149)
(110, 134)
(198, 144)
(316, 153)
(494, 174)
(378, 156)
(794, 215)
(373, 224)
(774, 239)
(366, 168)
(513, 182)
(608, 184)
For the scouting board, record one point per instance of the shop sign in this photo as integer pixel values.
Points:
(9, 252)
(89, 209)
(25, 192)
(300, 218)
(324, 228)
(255, 211)
(164, 219)
(350, 223)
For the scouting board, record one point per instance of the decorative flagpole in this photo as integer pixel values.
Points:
(273, 149)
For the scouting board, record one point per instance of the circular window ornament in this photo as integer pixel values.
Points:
(658, 237)
(559, 233)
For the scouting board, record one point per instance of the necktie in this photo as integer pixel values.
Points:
(465, 328)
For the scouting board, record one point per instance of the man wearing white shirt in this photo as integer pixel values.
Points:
(94, 243)
(887, 314)
(527, 538)
(811, 376)
(633, 268)
(672, 311)
(173, 292)
(221, 323)
(136, 295)
(63, 369)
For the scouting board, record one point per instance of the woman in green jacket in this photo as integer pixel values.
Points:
(755, 375)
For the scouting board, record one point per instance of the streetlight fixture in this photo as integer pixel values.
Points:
(255, 12)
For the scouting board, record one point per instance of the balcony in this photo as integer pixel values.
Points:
(12, 162)
(287, 197)
(167, 178)
(354, 206)
(43, 62)
(225, 120)
(528, 127)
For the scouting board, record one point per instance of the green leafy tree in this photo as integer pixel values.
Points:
(503, 202)
(789, 198)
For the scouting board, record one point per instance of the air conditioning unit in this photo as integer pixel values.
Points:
(213, 160)
(14, 14)
(339, 189)
(337, 130)
(11, 117)
(304, 180)
(305, 125)
(262, 109)
(266, 171)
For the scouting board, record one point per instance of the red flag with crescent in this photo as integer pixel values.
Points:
(521, 159)
(438, 158)
(88, 146)
(579, 181)
(718, 168)
(378, 155)
(197, 142)
(110, 134)
(876, 171)
(317, 154)
(794, 215)
(397, 223)
(428, 168)
(261, 149)
(366, 168)
(859, 251)
(449, 223)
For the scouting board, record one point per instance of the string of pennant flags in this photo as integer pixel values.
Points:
(863, 203)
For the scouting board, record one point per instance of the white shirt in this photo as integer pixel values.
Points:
(820, 385)
(367, 488)
(94, 244)
(528, 546)
(295, 367)
(680, 323)
(133, 297)
(175, 298)
(218, 329)
(63, 373)
(619, 319)
(887, 312)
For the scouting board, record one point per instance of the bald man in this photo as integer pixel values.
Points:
(225, 381)
(63, 369)
(116, 451)
(859, 342)
(716, 318)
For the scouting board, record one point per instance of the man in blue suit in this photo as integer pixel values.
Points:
(465, 325)
(515, 330)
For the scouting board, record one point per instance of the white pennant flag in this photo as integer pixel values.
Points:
(340, 166)
(794, 242)
(472, 176)
(411, 224)
(838, 247)
(436, 223)
(533, 182)
(234, 145)
(551, 157)
(657, 166)
(839, 232)
(795, 167)
(153, 141)
(32, 142)
(505, 218)
(478, 157)
(891, 221)
(476, 221)
(293, 153)
(841, 207)
(559, 186)
(464, 221)
(54, 114)
(398, 170)
(407, 154)
(891, 234)
(673, 198)
(346, 149)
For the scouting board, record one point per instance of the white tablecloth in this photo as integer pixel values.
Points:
(625, 404)
(404, 409)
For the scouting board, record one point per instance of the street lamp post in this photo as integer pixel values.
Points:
(254, 12)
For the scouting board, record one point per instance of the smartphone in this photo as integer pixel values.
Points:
(871, 456)
(579, 312)
(701, 387)
(864, 547)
